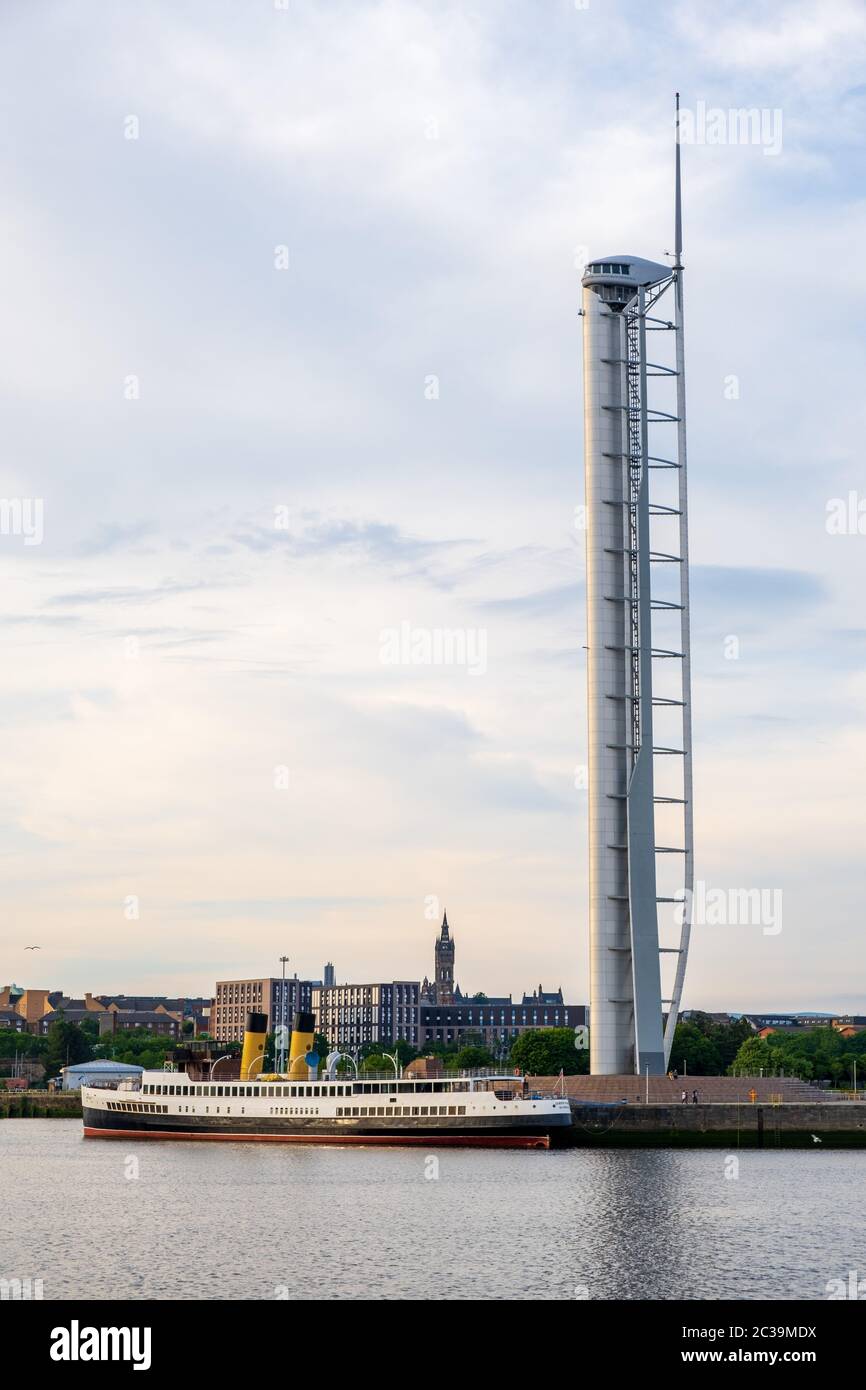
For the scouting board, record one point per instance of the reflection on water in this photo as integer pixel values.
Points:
(99, 1219)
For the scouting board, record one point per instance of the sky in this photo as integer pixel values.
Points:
(291, 367)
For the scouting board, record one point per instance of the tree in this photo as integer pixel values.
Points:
(405, 1052)
(694, 1051)
(376, 1061)
(25, 1044)
(474, 1056)
(753, 1057)
(547, 1052)
(67, 1044)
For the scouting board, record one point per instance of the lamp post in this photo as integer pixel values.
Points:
(282, 1062)
(396, 1060)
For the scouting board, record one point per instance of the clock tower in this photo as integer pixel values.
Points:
(444, 964)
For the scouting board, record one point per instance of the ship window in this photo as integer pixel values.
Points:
(294, 1090)
(339, 1111)
(380, 1110)
(425, 1110)
(461, 1110)
(234, 1090)
(415, 1110)
(363, 1110)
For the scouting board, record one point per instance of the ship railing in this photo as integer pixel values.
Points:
(474, 1074)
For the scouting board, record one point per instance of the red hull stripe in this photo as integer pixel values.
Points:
(516, 1141)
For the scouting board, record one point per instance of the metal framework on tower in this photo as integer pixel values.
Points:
(637, 565)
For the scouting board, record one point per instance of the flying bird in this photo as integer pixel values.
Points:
(815, 1139)
(33, 948)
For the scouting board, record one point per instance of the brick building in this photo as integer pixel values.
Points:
(277, 999)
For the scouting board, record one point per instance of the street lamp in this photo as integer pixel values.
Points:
(282, 1062)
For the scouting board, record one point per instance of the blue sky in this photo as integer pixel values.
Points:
(433, 171)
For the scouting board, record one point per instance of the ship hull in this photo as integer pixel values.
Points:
(486, 1132)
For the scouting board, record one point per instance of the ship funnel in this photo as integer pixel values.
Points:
(302, 1042)
(255, 1036)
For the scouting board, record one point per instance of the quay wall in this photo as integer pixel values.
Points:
(40, 1105)
(722, 1125)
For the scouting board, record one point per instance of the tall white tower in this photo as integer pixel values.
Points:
(637, 599)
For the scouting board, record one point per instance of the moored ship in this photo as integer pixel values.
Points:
(485, 1109)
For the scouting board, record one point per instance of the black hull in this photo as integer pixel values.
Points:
(448, 1130)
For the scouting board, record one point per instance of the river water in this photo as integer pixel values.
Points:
(97, 1219)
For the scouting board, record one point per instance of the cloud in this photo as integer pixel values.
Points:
(110, 536)
(561, 598)
(435, 200)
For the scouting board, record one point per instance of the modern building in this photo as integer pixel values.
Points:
(638, 664)
(98, 1073)
(329, 978)
(350, 1016)
(497, 1022)
(276, 998)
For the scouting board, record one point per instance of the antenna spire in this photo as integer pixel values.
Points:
(678, 199)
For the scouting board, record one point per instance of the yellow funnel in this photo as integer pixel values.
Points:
(255, 1036)
(302, 1040)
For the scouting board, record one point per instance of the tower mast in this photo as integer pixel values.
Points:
(622, 448)
(685, 633)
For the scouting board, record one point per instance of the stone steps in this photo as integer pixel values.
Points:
(710, 1089)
